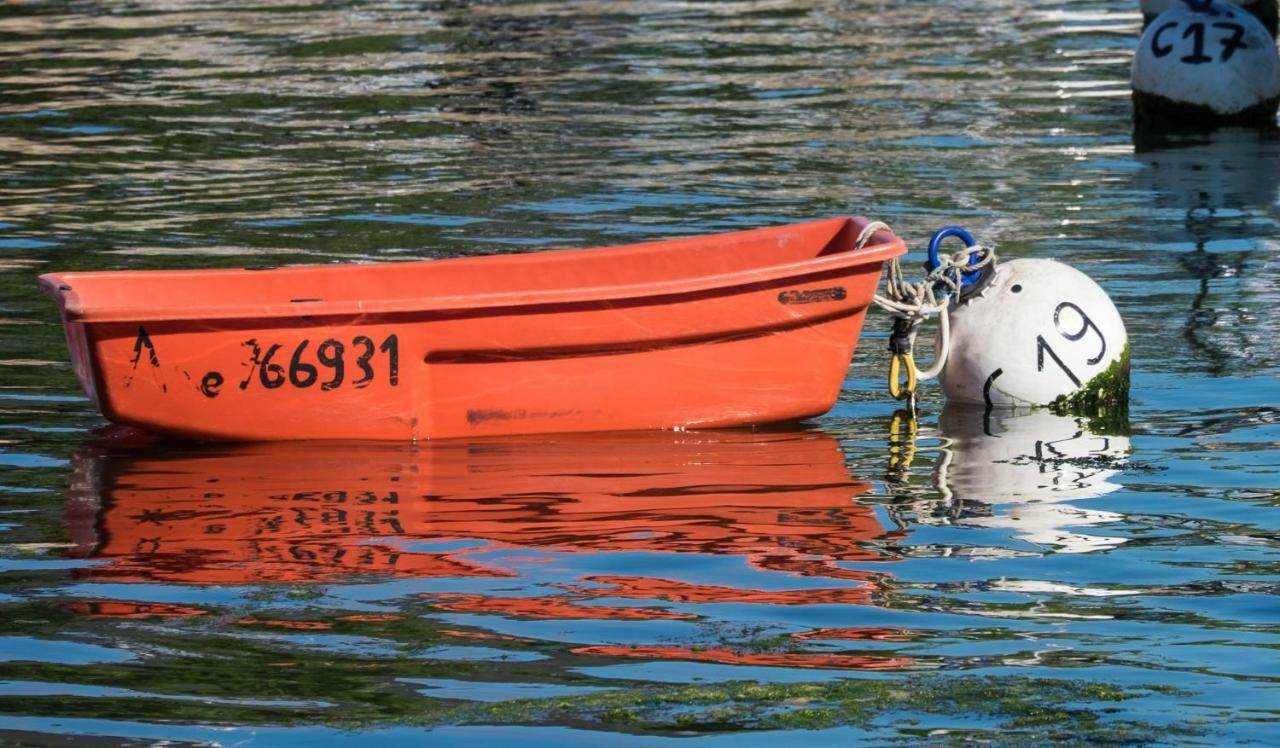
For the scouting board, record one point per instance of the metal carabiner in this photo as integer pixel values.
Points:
(968, 278)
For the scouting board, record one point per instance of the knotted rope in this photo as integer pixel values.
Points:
(912, 304)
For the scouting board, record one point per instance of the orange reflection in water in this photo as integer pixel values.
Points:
(482, 635)
(127, 609)
(550, 607)
(296, 512)
(860, 633)
(766, 659)
(665, 589)
(371, 617)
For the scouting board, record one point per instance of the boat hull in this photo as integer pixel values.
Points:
(748, 346)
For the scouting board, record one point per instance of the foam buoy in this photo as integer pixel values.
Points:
(1205, 64)
(1027, 332)
(1266, 11)
(1037, 332)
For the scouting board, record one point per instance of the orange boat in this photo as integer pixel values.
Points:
(289, 512)
(735, 329)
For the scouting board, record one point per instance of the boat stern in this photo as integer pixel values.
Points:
(57, 286)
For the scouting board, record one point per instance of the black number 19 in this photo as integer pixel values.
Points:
(1086, 324)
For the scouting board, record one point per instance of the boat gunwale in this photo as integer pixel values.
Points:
(886, 246)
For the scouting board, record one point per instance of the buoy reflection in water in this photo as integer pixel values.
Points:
(1214, 181)
(1023, 471)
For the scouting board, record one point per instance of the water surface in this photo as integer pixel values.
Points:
(1007, 579)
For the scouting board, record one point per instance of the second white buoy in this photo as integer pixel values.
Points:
(1200, 65)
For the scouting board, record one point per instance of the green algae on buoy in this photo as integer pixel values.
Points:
(1104, 400)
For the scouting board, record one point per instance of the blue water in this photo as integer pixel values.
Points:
(806, 585)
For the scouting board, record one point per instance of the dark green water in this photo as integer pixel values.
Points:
(1048, 583)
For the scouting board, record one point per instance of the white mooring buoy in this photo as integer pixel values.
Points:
(1026, 332)
(1203, 64)
(1033, 332)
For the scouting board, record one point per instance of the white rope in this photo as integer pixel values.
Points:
(917, 302)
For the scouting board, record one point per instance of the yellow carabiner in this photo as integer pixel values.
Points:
(897, 362)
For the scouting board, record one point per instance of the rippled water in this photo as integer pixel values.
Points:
(1020, 579)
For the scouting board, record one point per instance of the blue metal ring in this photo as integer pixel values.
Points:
(968, 277)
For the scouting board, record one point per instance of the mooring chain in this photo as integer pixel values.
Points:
(911, 304)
